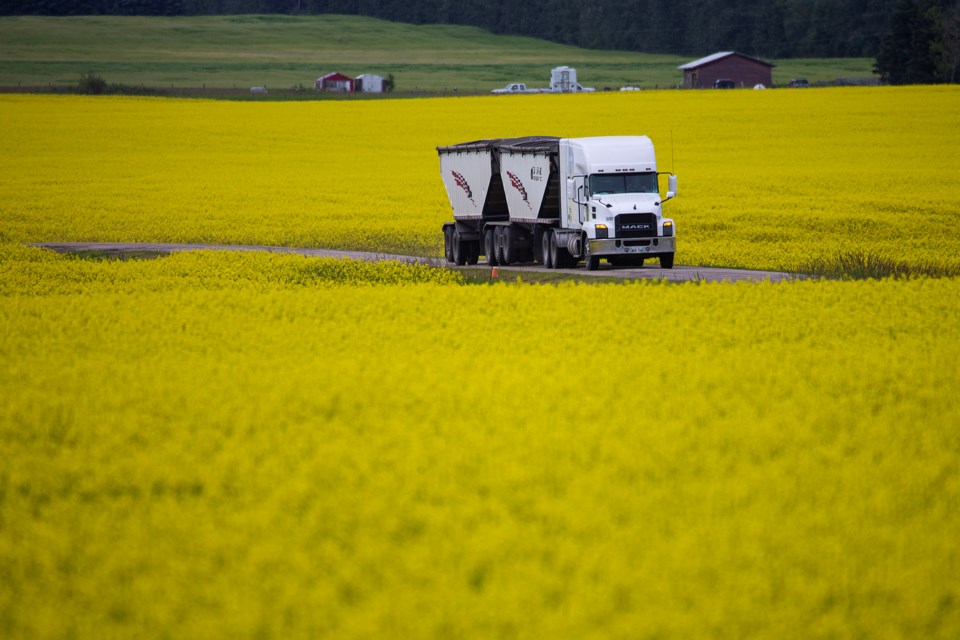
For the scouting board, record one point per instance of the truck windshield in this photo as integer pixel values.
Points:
(607, 183)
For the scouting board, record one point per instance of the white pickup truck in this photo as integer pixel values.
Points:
(519, 87)
(515, 87)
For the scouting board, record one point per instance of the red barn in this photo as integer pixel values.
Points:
(722, 69)
(335, 82)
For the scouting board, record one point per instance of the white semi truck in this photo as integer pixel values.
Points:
(557, 201)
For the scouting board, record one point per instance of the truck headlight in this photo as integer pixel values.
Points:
(602, 233)
(667, 228)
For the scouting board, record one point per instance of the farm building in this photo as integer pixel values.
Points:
(713, 70)
(369, 83)
(335, 82)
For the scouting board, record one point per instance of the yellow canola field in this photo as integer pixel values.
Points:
(768, 179)
(220, 445)
(31, 271)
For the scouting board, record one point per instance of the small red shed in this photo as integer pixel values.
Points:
(335, 82)
(724, 67)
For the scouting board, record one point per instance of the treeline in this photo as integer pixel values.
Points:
(763, 28)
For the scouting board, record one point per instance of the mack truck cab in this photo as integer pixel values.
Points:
(613, 198)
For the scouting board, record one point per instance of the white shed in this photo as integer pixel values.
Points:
(369, 83)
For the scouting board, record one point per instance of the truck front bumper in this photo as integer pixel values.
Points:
(633, 246)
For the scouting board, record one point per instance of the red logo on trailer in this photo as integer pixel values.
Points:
(515, 181)
(462, 183)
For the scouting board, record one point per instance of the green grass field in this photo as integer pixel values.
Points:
(287, 51)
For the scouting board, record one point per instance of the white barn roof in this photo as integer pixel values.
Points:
(718, 56)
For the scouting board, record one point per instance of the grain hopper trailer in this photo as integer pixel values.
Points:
(557, 201)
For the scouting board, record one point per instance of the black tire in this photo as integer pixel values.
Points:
(591, 262)
(448, 243)
(508, 252)
(547, 254)
(459, 249)
(556, 258)
(666, 261)
(490, 247)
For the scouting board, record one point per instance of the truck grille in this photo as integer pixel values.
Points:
(636, 225)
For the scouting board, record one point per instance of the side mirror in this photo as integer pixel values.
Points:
(671, 187)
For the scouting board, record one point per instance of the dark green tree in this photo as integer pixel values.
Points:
(763, 28)
(947, 49)
(909, 50)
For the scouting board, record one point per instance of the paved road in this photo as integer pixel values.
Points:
(679, 273)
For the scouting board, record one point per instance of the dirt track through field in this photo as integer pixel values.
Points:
(652, 271)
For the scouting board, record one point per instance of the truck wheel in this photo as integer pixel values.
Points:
(666, 261)
(459, 249)
(490, 247)
(498, 245)
(547, 254)
(591, 261)
(448, 243)
(556, 258)
(508, 256)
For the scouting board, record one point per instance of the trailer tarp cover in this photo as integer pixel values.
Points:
(542, 144)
